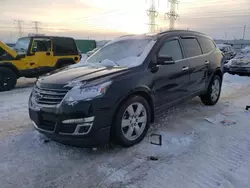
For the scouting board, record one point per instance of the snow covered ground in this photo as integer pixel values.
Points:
(202, 147)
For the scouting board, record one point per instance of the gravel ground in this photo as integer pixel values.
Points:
(197, 151)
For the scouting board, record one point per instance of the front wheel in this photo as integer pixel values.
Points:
(8, 79)
(132, 121)
(213, 93)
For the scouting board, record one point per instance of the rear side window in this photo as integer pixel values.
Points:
(64, 46)
(191, 47)
(41, 45)
(207, 45)
(171, 48)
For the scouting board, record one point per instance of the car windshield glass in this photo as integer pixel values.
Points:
(121, 53)
(22, 45)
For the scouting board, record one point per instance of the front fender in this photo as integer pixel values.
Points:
(10, 66)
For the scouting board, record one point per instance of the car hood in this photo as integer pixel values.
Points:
(8, 49)
(61, 78)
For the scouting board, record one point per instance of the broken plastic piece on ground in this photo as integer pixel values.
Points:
(210, 120)
(159, 139)
(46, 140)
(153, 158)
(228, 122)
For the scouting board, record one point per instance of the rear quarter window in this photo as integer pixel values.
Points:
(191, 47)
(64, 46)
(207, 44)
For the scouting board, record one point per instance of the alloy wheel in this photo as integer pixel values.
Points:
(134, 121)
(215, 90)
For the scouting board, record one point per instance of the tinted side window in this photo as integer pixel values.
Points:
(41, 45)
(207, 45)
(191, 47)
(171, 48)
(65, 46)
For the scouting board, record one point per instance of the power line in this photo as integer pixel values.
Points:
(36, 26)
(244, 32)
(152, 14)
(172, 14)
(19, 26)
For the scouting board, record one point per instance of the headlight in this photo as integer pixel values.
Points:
(86, 92)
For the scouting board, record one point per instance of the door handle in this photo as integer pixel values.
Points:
(207, 62)
(185, 68)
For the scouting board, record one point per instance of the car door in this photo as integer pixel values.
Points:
(42, 52)
(198, 63)
(171, 80)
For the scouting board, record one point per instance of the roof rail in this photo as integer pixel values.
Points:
(178, 30)
(126, 36)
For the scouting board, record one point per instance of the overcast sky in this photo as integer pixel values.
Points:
(105, 19)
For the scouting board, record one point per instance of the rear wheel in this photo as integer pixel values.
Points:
(213, 93)
(132, 121)
(8, 79)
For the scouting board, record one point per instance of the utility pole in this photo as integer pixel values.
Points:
(172, 14)
(152, 14)
(225, 35)
(36, 27)
(19, 26)
(244, 32)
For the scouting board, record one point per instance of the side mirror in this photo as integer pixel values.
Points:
(48, 53)
(165, 60)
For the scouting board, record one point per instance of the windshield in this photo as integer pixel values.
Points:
(22, 45)
(121, 53)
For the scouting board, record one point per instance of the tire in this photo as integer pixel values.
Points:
(213, 93)
(8, 79)
(139, 123)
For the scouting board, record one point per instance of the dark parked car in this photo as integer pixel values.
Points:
(227, 50)
(118, 91)
(240, 64)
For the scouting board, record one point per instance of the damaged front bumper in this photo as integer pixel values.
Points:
(86, 123)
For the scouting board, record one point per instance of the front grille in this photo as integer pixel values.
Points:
(47, 121)
(46, 96)
(47, 125)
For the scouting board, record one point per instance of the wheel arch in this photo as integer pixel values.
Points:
(12, 67)
(218, 72)
(142, 92)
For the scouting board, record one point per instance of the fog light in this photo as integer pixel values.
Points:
(84, 129)
(78, 121)
(73, 121)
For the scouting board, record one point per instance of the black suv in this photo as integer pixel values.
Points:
(116, 93)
